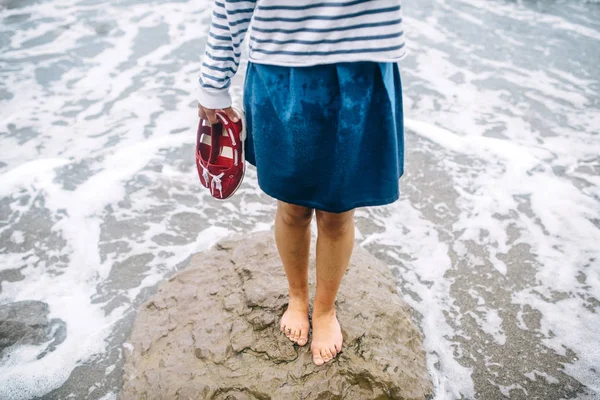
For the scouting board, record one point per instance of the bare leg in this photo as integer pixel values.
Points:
(335, 242)
(292, 235)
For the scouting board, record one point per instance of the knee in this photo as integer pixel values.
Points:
(294, 215)
(334, 223)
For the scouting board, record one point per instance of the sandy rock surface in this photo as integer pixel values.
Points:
(212, 332)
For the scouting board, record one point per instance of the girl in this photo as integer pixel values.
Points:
(324, 121)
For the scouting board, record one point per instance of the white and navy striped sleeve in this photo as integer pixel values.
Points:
(230, 21)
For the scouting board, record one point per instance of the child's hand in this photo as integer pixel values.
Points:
(211, 114)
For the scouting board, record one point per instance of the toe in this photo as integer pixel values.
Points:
(333, 351)
(317, 359)
(282, 327)
(303, 337)
(295, 335)
(324, 355)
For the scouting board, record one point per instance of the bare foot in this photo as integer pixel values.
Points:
(294, 322)
(327, 337)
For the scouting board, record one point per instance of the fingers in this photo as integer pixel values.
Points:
(207, 113)
(231, 114)
(211, 114)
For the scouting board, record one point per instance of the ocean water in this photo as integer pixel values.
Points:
(495, 241)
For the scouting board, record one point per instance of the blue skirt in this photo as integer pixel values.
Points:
(329, 137)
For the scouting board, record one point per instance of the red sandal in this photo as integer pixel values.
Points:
(220, 157)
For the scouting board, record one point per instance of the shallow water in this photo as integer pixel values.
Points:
(494, 241)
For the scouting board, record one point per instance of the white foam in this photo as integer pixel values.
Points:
(407, 232)
(39, 172)
(519, 12)
(128, 346)
(68, 295)
(109, 396)
(516, 157)
(533, 375)
(123, 125)
(491, 323)
(508, 389)
(17, 237)
(561, 234)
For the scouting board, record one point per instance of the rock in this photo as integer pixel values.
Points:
(212, 332)
(26, 322)
(10, 275)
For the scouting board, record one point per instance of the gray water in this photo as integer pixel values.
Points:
(494, 242)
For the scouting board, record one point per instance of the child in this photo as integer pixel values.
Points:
(324, 120)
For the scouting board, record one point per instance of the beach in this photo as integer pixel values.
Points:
(494, 243)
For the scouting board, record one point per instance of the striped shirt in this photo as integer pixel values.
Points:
(296, 33)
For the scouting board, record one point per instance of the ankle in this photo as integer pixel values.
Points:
(298, 295)
(320, 310)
